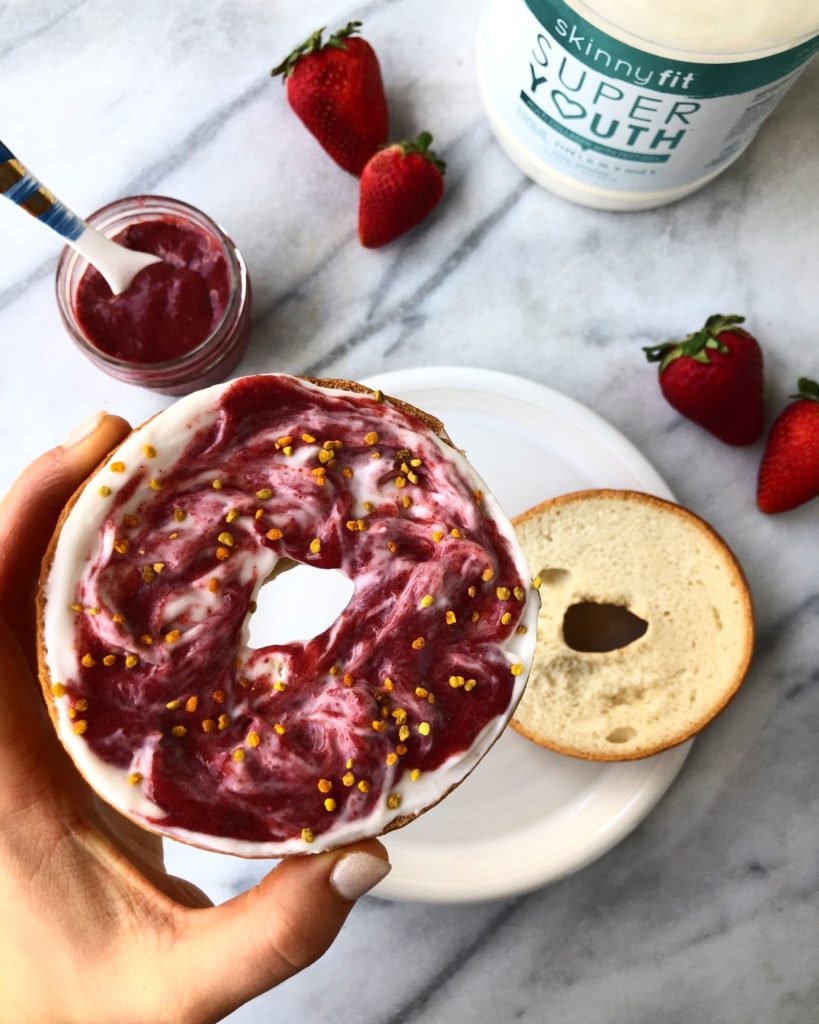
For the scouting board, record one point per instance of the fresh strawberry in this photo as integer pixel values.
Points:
(714, 377)
(336, 90)
(789, 471)
(399, 187)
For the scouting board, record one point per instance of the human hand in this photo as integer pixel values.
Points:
(93, 927)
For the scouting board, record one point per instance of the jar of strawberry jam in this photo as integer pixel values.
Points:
(183, 323)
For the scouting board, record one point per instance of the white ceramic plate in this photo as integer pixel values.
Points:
(526, 816)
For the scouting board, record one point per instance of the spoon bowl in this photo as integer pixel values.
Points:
(118, 265)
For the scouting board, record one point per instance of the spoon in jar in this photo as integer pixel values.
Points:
(118, 265)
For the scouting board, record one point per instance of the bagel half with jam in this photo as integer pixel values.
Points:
(153, 574)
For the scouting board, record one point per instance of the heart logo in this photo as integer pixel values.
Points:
(567, 107)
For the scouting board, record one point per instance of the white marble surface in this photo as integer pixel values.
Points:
(709, 911)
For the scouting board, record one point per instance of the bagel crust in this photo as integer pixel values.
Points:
(152, 576)
(665, 565)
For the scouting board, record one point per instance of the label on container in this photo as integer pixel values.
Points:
(621, 118)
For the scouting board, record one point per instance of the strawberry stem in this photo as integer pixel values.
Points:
(696, 345)
(313, 44)
(808, 390)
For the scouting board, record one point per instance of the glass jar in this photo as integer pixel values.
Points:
(217, 354)
(630, 104)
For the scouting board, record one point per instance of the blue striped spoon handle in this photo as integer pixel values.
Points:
(117, 264)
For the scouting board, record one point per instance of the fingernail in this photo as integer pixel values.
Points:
(85, 429)
(357, 873)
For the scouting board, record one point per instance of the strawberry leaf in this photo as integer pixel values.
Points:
(722, 322)
(695, 345)
(421, 145)
(663, 354)
(350, 29)
(312, 45)
(808, 390)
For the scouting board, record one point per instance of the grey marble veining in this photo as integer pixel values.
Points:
(708, 913)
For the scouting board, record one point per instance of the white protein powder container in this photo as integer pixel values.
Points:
(630, 104)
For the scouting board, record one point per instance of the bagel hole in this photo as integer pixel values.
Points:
(596, 628)
(621, 735)
(553, 577)
(297, 603)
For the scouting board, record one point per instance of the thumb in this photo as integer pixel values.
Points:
(257, 940)
(29, 513)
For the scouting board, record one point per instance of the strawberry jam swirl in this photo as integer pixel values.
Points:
(179, 723)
